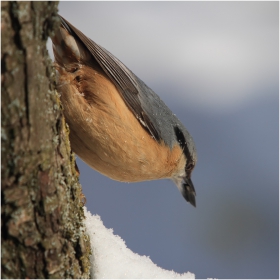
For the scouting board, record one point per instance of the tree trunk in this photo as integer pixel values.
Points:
(42, 215)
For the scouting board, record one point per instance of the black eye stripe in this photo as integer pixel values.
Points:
(183, 143)
(180, 137)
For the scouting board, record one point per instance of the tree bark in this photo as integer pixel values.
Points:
(43, 235)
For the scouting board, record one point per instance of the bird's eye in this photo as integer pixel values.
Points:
(189, 166)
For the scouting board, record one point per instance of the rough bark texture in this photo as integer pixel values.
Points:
(42, 215)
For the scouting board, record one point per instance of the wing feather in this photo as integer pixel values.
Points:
(120, 76)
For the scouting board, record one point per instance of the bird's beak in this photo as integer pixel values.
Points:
(188, 191)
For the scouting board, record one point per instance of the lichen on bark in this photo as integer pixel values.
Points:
(43, 235)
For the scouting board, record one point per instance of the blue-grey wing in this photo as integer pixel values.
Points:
(125, 81)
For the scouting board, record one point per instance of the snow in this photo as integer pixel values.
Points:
(112, 259)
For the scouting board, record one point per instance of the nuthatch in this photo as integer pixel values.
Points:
(118, 125)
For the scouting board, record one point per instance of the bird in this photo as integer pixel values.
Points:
(118, 125)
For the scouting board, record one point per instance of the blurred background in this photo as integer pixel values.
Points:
(215, 64)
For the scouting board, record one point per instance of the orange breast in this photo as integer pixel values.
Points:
(104, 132)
